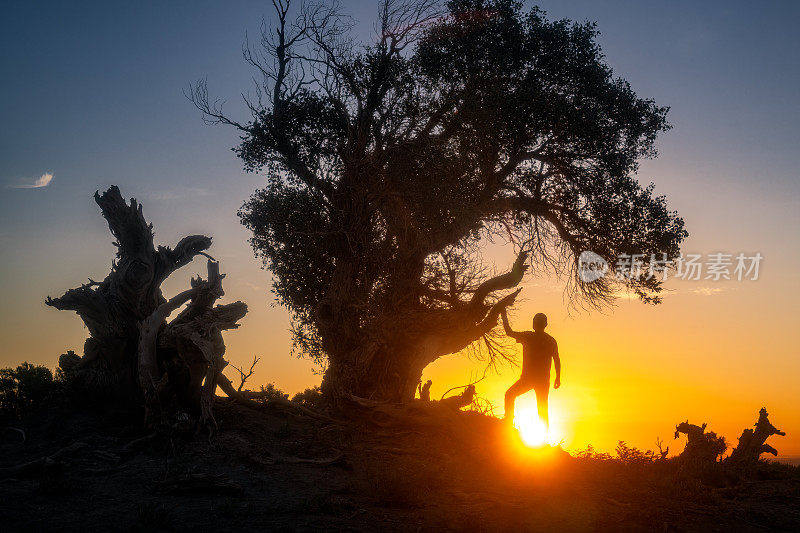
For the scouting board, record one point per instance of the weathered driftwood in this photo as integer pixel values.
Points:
(700, 447)
(132, 352)
(460, 400)
(752, 442)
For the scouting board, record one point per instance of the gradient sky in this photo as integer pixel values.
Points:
(91, 94)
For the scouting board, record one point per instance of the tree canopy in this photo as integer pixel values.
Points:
(388, 164)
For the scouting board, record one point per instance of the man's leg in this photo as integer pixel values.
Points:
(517, 389)
(542, 394)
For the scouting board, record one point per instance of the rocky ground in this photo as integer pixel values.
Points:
(90, 469)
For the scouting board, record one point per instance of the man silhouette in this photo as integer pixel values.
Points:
(538, 350)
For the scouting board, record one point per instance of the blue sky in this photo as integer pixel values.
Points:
(92, 91)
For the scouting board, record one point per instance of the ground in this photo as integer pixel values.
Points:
(276, 469)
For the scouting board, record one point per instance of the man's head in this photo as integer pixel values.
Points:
(539, 322)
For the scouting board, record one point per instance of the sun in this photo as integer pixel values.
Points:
(532, 430)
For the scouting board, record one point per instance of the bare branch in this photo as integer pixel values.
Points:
(211, 111)
(244, 376)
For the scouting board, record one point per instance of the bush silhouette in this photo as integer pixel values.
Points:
(311, 398)
(23, 388)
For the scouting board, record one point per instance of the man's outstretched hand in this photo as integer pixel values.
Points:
(557, 383)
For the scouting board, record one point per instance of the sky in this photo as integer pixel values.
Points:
(92, 95)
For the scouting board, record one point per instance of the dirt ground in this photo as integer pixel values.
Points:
(90, 470)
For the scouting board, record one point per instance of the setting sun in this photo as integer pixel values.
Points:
(531, 429)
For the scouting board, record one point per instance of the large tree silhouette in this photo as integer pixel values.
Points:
(389, 163)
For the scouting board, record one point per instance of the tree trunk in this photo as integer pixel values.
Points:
(376, 373)
(388, 366)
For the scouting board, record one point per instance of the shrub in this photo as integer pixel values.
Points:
(311, 398)
(271, 392)
(23, 388)
(630, 455)
(592, 454)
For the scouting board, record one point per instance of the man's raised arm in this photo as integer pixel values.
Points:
(506, 326)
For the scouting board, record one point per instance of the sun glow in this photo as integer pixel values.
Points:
(532, 430)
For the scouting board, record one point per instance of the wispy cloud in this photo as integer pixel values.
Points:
(625, 295)
(254, 287)
(42, 181)
(708, 291)
(702, 291)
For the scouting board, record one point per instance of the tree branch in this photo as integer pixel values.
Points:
(452, 342)
(504, 281)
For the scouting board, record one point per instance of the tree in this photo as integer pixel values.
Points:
(24, 388)
(389, 164)
(132, 353)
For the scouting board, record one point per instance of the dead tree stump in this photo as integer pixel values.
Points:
(701, 447)
(132, 353)
(752, 442)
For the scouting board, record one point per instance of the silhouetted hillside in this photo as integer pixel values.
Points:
(436, 470)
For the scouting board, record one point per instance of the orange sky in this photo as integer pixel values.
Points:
(712, 352)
